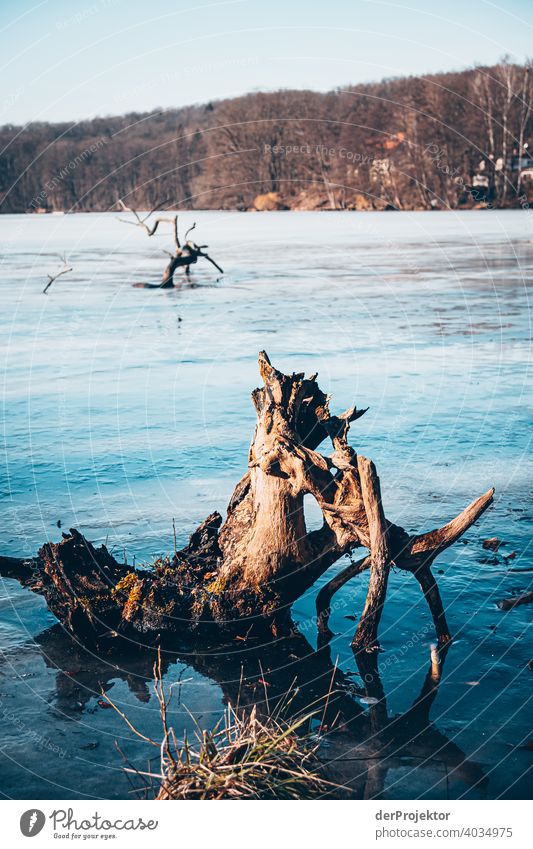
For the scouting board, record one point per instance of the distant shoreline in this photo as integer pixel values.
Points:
(438, 141)
(181, 211)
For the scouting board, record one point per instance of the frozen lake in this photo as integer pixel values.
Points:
(125, 408)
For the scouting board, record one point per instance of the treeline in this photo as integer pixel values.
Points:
(439, 141)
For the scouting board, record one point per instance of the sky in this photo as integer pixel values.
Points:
(66, 61)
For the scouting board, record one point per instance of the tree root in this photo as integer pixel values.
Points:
(244, 573)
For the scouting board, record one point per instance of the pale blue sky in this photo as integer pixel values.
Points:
(65, 60)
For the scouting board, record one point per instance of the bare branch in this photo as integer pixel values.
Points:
(425, 547)
(367, 630)
(52, 277)
(429, 587)
(212, 261)
(141, 222)
(323, 599)
(200, 252)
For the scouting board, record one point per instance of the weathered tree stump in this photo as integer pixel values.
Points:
(244, 574)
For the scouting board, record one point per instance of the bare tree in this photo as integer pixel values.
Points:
(482, 95)
(506, 77)
(526, 96)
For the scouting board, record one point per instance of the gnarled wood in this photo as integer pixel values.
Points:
(326, 593)
(424, 548)
(428, 585)
(367, 631)
(245, 572)
(184, 255)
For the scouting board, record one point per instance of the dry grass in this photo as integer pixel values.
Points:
(246, 756)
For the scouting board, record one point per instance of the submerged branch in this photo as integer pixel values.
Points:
(52, 277)
(516, 601)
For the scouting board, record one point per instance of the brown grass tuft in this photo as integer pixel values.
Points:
(245, 756)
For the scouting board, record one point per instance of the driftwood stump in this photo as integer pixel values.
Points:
(183, 256)
(244, 574)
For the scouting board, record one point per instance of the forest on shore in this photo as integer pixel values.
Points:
(449, 140)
